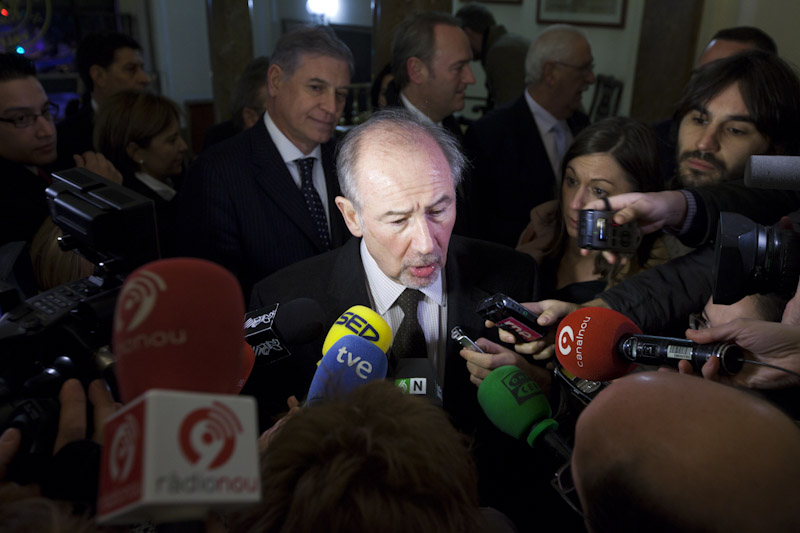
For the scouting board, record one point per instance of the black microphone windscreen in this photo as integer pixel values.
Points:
(300, 321)
(773, 172)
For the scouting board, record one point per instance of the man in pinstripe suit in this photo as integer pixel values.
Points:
(264, 199)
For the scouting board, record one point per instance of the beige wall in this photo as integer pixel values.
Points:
(614, 49)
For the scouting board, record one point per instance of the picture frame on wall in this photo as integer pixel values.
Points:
(607, 13)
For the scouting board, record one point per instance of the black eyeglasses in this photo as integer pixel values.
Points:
(583, 69)
(564, 485)
(24, 120)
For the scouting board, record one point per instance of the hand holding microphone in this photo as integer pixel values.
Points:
(549, 313)
(600, 344)
(767, 343)
(482, 365)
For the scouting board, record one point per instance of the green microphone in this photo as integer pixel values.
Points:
(518, 407)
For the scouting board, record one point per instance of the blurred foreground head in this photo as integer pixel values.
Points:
(374, 460)
(661, 451)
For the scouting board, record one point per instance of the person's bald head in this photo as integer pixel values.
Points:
(729, 41)
(663, 451)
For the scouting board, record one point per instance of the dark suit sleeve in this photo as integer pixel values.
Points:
(765, 206)
(207, 227)
(659, 300)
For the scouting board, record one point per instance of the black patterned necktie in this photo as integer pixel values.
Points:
(409, 341)
(311, 196)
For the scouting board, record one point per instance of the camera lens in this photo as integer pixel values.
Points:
(750, 258)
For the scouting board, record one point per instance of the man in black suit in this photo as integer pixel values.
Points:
(430, 64)
(263, 200)
(398, 176)
(516, 150)
(108, 62)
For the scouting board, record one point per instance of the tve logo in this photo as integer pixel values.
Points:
(363, 367)
(208, 435)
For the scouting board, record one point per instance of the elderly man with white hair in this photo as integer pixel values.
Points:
(516, 151)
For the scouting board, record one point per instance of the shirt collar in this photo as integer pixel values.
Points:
(385, 290)
(159, 187)
(289, 152)
(408, 105)
(542, 115)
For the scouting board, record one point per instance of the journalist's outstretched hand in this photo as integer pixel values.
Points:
(770, 342)
(481, 364)
(651, 210)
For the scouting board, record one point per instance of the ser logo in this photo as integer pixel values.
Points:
(123, 449)
(207, 436)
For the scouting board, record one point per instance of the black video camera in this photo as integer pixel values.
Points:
(750, 258)
(56, 335)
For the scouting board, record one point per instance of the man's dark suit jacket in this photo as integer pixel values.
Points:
(511, 172)
(240, 207)
(474, 270)
(74, 137)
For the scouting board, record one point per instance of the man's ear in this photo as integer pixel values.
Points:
(350, 216)
(98, 75)
(417, 70)
(249, 117)
(549, 72)
(274, 79)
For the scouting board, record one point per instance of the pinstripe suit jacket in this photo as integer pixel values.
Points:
(240, 207)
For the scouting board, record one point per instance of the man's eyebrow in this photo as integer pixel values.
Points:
(738, 118)
(17, 109)
(445, 198)
(741, 118)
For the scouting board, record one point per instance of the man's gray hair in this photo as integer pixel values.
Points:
(312, 40)
(405, 128)
(554, 43)
(414, 37)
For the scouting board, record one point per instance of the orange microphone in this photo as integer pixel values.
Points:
(600, 344)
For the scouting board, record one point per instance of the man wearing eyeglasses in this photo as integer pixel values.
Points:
(27, 142)
(517, 150)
